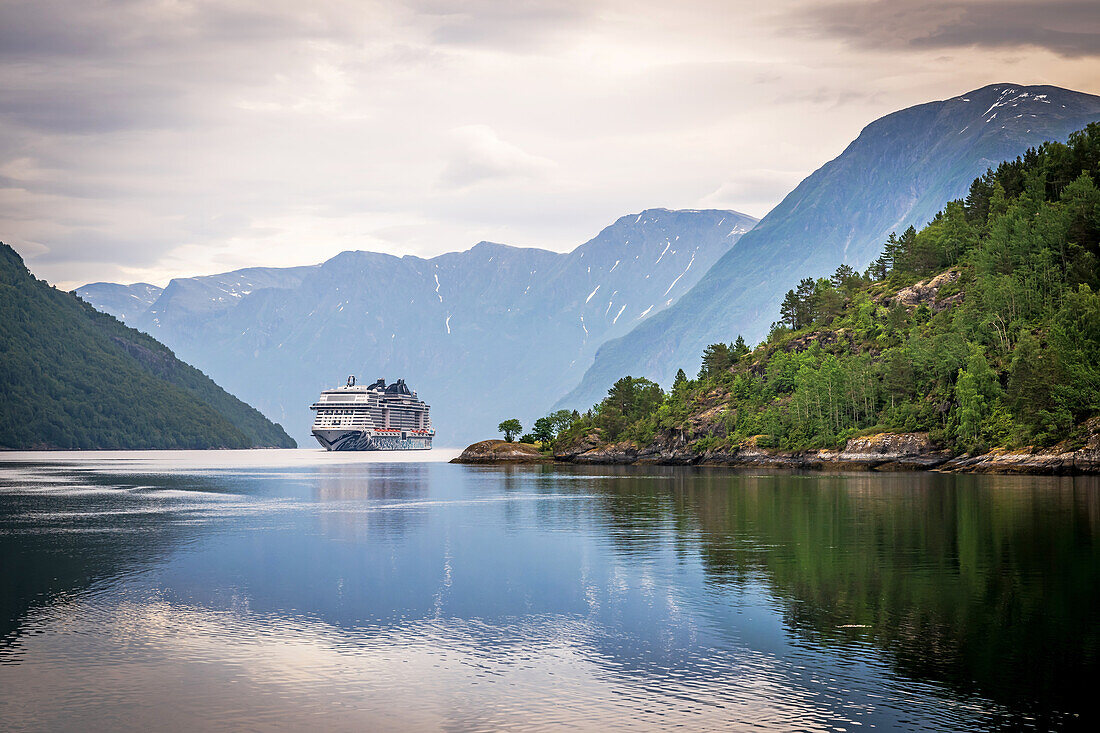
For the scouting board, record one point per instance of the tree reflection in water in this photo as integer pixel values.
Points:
(988, 585)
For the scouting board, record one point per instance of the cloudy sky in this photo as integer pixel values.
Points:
(145, 139)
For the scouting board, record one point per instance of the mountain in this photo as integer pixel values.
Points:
(124, 302)
(72, 378)
(486, 334)
(899, 172)
(980, 331)
(189, 300)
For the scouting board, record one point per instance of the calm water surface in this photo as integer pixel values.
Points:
(286, 589)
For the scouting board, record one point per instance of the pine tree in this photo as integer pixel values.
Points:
(845, 278)
(890, 251)
(740, 349)
(788, 310)
(716, 360)
(806, 313)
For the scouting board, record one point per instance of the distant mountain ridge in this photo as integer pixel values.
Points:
(900, 171)
(482, 335)
(74, 378)
(124, 302)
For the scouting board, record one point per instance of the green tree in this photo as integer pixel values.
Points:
(788, 310)
(717, 359)
(828, 302)
(740, 349)
(977, 391)
(543, 432)
(629, 400)
(806, 311)
(845, 278)
(1030, 393)
(562, 420)
(972, 406)
(897, 376)
(679, 384)
(1075, 346)
(511, 428)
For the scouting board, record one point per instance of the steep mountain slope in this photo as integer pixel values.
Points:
(980, 331)
(899, 172)
(74, 378)
(482, 335)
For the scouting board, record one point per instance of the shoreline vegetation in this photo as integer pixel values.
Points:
(972, 345)
(881, 452)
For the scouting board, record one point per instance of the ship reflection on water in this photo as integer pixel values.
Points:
(426, 596)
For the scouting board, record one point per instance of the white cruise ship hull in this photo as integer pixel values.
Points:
(336, 439)
(372, 417)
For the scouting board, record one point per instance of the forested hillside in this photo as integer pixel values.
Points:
(74, 378)
(982, 328)
(900, 171)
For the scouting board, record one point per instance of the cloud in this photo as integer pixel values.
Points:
(480, 156)
(752, 191)
(1069, 28)
(146, 139)
(517, 26)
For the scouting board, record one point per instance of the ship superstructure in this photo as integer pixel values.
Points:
(372, 417)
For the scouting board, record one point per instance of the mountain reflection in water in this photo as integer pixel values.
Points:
(284, 589)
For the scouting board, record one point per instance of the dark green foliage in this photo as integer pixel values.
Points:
(630, 403)
(717, 359)
(846, 279)
(549, 427)
(74, 378)
(1004, 352)
(511, 428)
(560, 420)
(740, 349)
(543, 431)
(816, 302)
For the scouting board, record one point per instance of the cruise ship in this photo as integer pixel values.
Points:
(372, 417)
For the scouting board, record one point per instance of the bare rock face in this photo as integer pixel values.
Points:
(499, 451)
(892, 451)
(823, 337)
(1058, 459)
(615, 453)
(579, 446)
(882, 452)
(927, 292)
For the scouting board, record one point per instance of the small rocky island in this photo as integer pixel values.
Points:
(500, 451)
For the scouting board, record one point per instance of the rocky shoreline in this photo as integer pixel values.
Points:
(882, 452)
(499, 451)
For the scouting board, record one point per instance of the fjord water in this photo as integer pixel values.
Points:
(286, 589)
